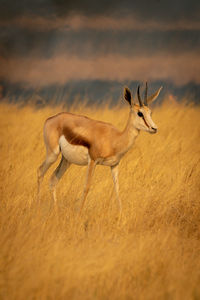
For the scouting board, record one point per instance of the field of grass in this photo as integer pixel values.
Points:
(152, 252)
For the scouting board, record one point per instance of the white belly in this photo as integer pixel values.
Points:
(74, 154)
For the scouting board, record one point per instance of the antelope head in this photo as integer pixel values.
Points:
(142, 112)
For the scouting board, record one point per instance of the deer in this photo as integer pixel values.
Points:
(84, 141)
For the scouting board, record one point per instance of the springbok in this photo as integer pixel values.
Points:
(84, 141)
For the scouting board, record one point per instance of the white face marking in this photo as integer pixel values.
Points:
(141, 124)
(73, 154)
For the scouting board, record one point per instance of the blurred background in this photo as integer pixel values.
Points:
(61, 51)
(68, 52)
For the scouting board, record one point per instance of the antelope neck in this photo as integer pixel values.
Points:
(130, 132)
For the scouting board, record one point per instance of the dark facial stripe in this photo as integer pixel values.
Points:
(145, 121)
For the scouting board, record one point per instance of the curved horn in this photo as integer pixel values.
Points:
(154, 96)
(145, 96)
(138, 94)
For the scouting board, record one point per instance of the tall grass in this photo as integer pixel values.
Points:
(152, 252)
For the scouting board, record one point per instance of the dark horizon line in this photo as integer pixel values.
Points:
(99, 90)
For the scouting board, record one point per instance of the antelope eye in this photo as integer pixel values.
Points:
(140, 114)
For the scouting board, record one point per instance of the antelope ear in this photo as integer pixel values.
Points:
(154, 96)
(127, 95)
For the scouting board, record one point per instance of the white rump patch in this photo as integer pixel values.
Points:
(74, 154)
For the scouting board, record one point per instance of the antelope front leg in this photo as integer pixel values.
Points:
(114, 171)
(90, 172)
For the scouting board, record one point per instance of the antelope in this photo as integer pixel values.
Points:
(84, 141)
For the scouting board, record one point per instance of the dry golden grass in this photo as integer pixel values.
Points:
(152, 252)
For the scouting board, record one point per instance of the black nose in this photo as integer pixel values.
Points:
(155, 129)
